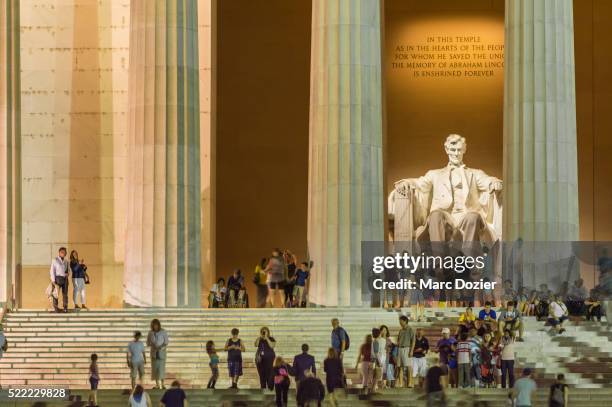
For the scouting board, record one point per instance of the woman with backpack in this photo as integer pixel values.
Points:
(559, 393)
(281, 381)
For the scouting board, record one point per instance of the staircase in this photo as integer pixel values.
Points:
(583, 353)
(49, 349)
(390, 397)
(53, 349)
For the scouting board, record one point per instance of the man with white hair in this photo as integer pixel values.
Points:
(456, 212)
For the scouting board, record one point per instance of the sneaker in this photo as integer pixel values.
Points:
(76, 307)
(83, 306)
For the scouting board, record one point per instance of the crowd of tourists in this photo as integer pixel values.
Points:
(479, 351)
(279, 279)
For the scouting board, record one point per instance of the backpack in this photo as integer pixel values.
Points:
(348, 340)
(5, 346)
(283, 374)
(557, 395)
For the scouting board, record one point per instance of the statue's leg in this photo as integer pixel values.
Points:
(439, 231)
(438, 226)
(471, 226)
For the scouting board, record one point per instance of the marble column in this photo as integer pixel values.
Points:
(540, 152)
(10, 145)
(345, 168)
(162, 260)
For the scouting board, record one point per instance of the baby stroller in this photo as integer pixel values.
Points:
(487, 371)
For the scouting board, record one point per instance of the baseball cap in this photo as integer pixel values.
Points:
(445, 330)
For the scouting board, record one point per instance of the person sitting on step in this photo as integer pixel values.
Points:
(558, 314)
(510, 318)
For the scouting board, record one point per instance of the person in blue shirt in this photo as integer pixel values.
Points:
(301, 275)
(338, 338)
(488, 316)
(303, 363)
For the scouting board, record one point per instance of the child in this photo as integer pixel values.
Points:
(301, 276)
(214, 364)
(234, 348)
(392, 365)
(136, 359)
(94, 379)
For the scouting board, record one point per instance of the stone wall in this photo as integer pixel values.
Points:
(74, 101)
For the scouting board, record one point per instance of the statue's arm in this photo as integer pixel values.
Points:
(488, 183)
(422, 184)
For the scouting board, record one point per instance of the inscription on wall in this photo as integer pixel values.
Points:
(446, 56)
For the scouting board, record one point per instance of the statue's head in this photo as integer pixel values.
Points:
(455, 147)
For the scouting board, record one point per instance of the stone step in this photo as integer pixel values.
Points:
(55, 347)
(404, 397)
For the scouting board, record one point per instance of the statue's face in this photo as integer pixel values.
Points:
(455, 153)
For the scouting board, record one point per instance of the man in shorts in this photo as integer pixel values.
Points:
(558, 314)
(405, 343)
(510, 318)
(136, 358)
(419, 361)
(301, 275)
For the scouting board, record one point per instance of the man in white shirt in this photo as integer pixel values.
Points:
(59, 277)
(557, 314)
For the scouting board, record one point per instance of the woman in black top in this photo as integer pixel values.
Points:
(334, 373)
(234, 348)
(559, 394)
(264, 358)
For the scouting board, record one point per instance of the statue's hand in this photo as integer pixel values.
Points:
(496, 186)
(403, 186)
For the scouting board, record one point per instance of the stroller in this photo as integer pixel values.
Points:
(487, 370)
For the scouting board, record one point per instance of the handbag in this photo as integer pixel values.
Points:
(87, 280)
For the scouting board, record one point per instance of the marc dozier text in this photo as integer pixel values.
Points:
(410, 263)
